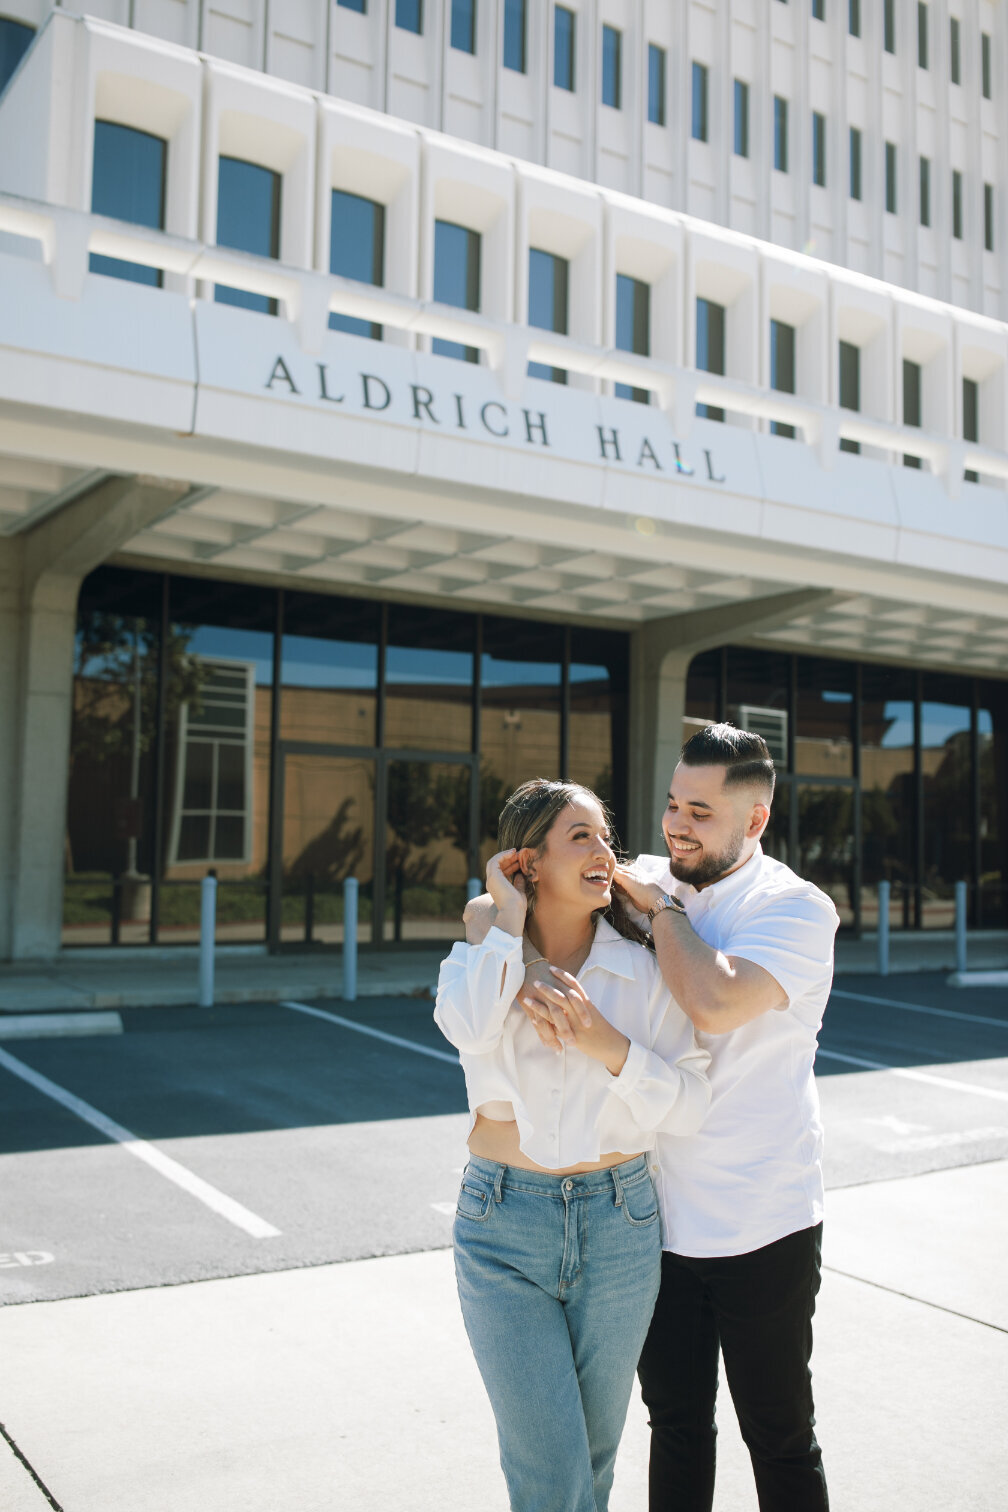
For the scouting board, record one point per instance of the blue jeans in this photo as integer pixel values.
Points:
(557, 1276)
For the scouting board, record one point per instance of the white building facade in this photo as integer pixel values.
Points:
(399, 399)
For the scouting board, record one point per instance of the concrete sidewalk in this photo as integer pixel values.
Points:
(351, 1388)
(128, 978)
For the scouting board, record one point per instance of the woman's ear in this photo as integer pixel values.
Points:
(526, 860)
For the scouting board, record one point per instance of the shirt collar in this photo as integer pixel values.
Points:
(611, 951)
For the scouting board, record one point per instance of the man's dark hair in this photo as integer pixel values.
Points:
(743, 753)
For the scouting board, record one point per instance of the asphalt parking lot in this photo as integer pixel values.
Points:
(238, 1140)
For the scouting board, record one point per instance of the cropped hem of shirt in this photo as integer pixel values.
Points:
(753, 1172)
(569, 1109)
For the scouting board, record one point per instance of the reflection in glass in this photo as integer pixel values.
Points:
(456, 280)
(710, 349)
(826, 843)
(598, 678)
(633, 329)
(356, 250)
(429, 679)
(110, 830)
(426, 850)
(15, 39)
(329, 670)
(757, 697)
(703, 686)
(824, 718)
(327, 836)
(992, 732)
(564, 24)
(521, 674)
(547, 304)
(128, 183)
(887, 793)
(945, 758)
(775, 841)
(248, 219)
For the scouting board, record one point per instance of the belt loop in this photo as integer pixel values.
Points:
(498, 1181)
(618, 1185)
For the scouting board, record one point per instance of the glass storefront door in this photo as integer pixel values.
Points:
(827, 842)
(427, 825)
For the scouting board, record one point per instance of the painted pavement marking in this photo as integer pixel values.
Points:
(951, 1085)
(378, 1034)
(226, 1207)
(949, 1013)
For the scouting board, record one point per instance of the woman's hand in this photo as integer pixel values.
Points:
(506, 886)
(575, 1020)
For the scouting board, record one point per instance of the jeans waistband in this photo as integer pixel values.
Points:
(609, 1179)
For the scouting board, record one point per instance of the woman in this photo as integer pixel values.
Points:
(556, 1237)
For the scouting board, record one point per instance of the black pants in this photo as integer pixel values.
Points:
(759, 1308)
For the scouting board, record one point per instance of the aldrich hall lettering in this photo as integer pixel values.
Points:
(458, 412)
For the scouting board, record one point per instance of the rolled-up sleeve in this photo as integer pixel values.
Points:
(476, 987)
(665, 1087)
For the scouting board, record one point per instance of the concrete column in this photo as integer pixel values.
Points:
(660, 655)
(40, 577)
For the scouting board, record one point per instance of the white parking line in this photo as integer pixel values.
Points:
(378, 1034)
(225, 1207)
(949, 1013)
(921, 1076)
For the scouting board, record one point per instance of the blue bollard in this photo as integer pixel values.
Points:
(350, 891)
(208, 931)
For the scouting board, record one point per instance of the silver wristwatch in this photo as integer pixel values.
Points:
(665, 900)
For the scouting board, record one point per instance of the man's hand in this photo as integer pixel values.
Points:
(638, 891)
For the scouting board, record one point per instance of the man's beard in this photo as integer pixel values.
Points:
(709, 867)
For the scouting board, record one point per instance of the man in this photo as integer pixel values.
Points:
(746, 946)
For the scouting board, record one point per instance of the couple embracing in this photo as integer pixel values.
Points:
(644, 1184)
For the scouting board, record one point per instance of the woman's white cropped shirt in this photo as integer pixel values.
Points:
(568, 1107)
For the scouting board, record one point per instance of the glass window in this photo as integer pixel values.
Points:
(824, 717)
(409, 15)
(925, 192)
(128, 183)
(327, 821)
(248, 219)
(612, 67)
(741, 118)
(429, 667)
(656, 85)
(710, 348)
(780, 152)
(889, 25)
(818, 149)
(818, 10)
(515, 27)
(954, 59)
(911, 402)
(703, 693)
(599, 679)
(854, 17)
(564, 36)
(426, 849)
(356, 250)
(521, 699)
(957, 210)
(782, 368)
(15, 39)
(633, 328)
(985, 64)
(329, 678)
(463, 25)
(850, 386)
(946, 759)
(548, 282)
(826, 842)
(988, 217)
(890, 177)
(992, 740)
(971, 419)
(456, 280)
(360, 6)
(111, 803)
(855, 163)
(756, 697)
(922, 35)
(888, 803)
(699, 110)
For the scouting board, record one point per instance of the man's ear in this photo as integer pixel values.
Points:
(759, 818)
